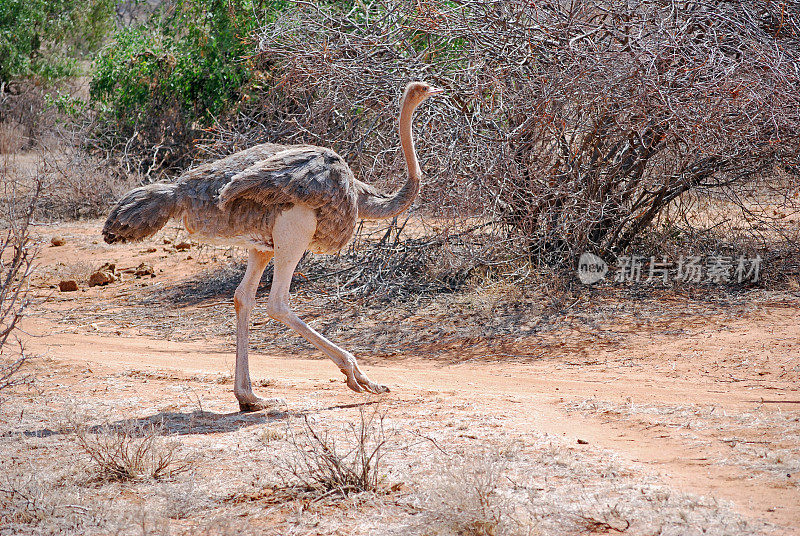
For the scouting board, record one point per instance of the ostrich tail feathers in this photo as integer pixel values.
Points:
(141, 213)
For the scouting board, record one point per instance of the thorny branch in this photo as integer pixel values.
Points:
(17, 254)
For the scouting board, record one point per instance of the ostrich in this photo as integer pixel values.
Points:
(277, 201)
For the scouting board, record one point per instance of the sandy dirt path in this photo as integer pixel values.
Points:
(550, 395)
(709, 402)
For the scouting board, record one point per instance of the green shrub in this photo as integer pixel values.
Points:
(165, 79)
(46, 38)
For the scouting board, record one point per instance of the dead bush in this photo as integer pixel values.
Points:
(17, 255)
(326, 466)
(77, 180)
(12, 137)
(131, 452)
(79, 185)
(570, 126)
(24, 116)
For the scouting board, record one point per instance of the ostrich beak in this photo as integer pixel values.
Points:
(435, 91)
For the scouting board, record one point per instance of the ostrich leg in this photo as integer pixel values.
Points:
(243, 300)
(291, 236)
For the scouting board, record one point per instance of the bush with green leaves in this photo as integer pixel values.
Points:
(47, 38)
(160, 81)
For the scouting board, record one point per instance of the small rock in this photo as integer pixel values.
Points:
(167, 241)
(144, 269)
(100, 278)
(57, 241)
(105, 275)
(69, 285)
(582, 442)
(183, 246)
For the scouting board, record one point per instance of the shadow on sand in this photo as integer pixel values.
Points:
(196, 422)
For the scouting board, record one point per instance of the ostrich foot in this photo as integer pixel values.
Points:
(254, 403)
(358, 382)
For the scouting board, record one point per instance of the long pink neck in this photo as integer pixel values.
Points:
(407, 141)
(377, 207)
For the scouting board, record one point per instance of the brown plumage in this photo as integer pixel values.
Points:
(235, 199)
(275, 200)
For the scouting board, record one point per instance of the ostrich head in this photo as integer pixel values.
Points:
(416, 92)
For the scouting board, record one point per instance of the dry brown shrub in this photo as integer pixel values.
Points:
(12, 137)
(17, 255)
(569, 126)
(24, 116)
(325, 466)
(131, 452)
(58, 149)
(80, 185)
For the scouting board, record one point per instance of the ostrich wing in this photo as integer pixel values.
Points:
(307, 175)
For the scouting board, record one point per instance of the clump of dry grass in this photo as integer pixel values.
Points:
(326, 466)
(467, 498)
(26, 500)
(550, 488)
(131, 452)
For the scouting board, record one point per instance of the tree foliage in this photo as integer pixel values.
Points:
(570, 126)
(46, 38)
(187, 65)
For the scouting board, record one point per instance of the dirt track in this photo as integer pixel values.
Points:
(712, 407)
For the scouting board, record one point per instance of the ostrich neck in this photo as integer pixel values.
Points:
(407, 141)
(374, 205)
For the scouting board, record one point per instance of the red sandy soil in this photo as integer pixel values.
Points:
(631, 398)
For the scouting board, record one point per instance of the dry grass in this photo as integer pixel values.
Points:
(131, 452)
(12, 137)
(329, 466)
(501, 483)
(468, 499)
(79, 271)
(551, 489)
(29, 501)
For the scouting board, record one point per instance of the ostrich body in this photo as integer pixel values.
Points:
(278, 201)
